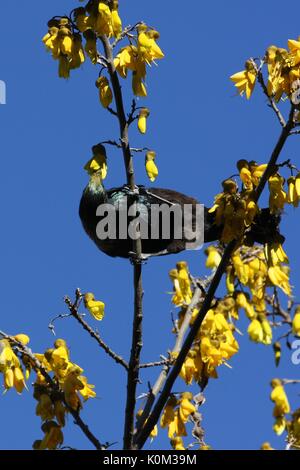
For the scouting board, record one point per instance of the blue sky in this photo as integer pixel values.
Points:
(199, 128)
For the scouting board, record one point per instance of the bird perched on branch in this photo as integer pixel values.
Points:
(100, 207)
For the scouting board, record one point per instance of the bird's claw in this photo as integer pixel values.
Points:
(135, 259)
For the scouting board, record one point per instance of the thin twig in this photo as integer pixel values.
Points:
(272, 103)
(74, 312)
(155, 364)
(124, 33)
(38, 367)
(114, 143)
(139, 150)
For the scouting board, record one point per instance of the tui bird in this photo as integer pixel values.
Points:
(264, 229)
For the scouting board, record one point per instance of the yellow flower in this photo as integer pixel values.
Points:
(260, 331)
(255, 331)
(19, 380)
(275, 254)
(213, 257)
(52, 41)
(60, 412)
(276, 59)
(277, 352)
(138, 86)
(266, 446)
(278, 196)
(91, 46)
(103, 24)
(98, 163)
(151, 168)
(171, 419)
(81, 19)
(63, 67)
(126, 59)
(115, 19)
(192, 367)
(296, 322)
(45, 408)
(278, 276)
(24, 339)
(242, 301)
(278, 396)
(294, 190)
(177, 443)
(10, 367)
(53, 436)
(279, 425)
(71, 384)
(66, 41)
(245, 80)
(142, 120)
(105, 93)
(148, 49)
(186, 408)
(95, 307)
(87, 390)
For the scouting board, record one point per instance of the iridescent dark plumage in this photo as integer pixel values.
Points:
(265, 227)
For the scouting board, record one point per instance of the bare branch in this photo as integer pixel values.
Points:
(73, 307)
(155, 364)
(272, 104)
(136, 346)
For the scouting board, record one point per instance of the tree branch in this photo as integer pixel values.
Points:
(272, 104)
(142, 436)
(74, 313)
(136, 346)
(38, 367)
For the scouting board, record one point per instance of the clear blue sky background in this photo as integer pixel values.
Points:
(199, 129)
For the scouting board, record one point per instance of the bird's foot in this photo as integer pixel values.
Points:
(135, 259)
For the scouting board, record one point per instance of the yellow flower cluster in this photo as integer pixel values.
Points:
(65, 45)
(215, 345)
(257, 268)
(176, 414)
(10, 365)
(182, 284)
(279, 196)
(51, 404)
(135, 57)
(64, 37)
(285, 419)
(245, 80)
(100, 17)
(250, 173)
(281, 408)
(283, 68)
(233, 210)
